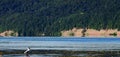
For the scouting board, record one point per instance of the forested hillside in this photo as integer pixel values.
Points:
(49, 17)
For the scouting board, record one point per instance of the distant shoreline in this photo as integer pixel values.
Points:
(91, 33)
(75, 33)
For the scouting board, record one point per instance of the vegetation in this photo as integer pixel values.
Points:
(71, 34)
(49, 17)
(113, 34)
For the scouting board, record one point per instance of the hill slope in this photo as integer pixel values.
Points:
(49, 17)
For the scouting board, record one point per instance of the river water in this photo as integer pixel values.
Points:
(58, 43)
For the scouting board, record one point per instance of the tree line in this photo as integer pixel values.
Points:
(50, 17)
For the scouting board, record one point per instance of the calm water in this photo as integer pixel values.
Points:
(58, 43)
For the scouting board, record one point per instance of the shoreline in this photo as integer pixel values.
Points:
(54, 51)
(91, 33)
(65, 52)
(75, 32)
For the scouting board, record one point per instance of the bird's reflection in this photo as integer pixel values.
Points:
(27, 56)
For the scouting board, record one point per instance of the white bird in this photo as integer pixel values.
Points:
(28, 49)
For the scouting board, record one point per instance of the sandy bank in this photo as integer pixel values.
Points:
(91, 33)
(9, 33)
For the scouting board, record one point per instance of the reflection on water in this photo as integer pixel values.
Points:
(47, 55)
(57, 55)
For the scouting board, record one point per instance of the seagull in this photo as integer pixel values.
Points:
(27, 51)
